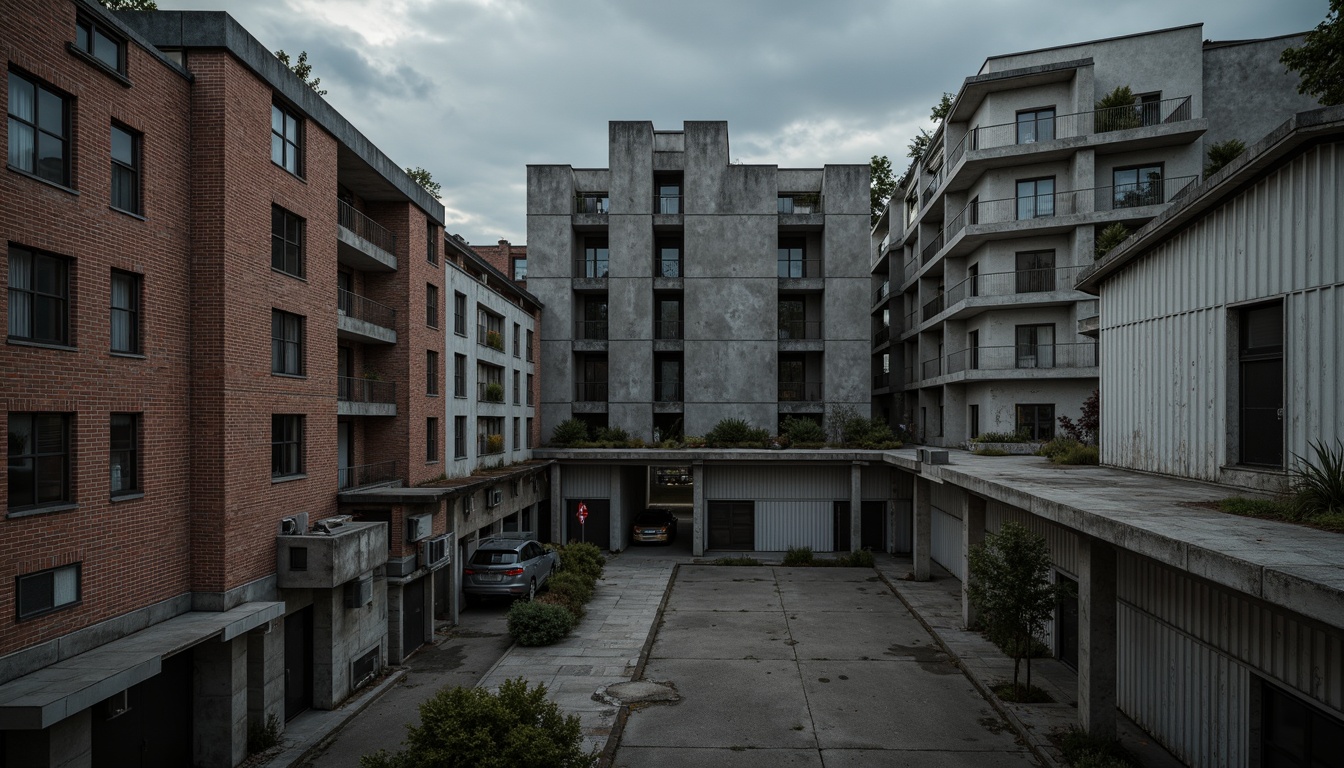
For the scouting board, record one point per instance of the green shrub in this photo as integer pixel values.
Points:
(736, 432)
(611, 435)
(1222, 153)
(860, 432)
(748, 561)
(1318, 488)
(582, 557)
(494, 392)
(1083, 750)
(573, 586)
(564, 601)
(1118, 110)
(535, 623)
(1056, 447)
(1079, 455)
(860, 558)
(1110, 237)
(569, 431)
(797, 556)
(990, 452)
(1020, 436)
(801, 431)
(473, 728)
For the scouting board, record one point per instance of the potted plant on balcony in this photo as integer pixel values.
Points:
(494, 340)
(494, 392)
(1118, 110)
(494, 443)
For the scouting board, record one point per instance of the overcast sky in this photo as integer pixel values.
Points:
(474, 90)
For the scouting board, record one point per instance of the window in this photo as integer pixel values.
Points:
(667, 318)
(286, 140)
(460, 313)
(1037, 421)
(126, 170)
(667, 259)
(974, 421)
(431, 439)
(592, 385)
(459, 375)
(517, 340)
(1035, 271)
(489, 383)
(1295, 734)
(527, 437)
(792, 319)
(39, 295)
(593, 326)
(791, 253)
(431, 305)
(517, 388)
(1150, 107)
(286, 242)
(431, 373)
(459, 437)
(97, 41)
(489, 329)
(124, 447)
(1035, 125)
(1035, 198)
(667, 378)
(519, 268)
(39, 459)
(529, 389)
(1260, 384)
(125, 321)
(431, 244)
(286, 343)
(1140, 185)
(49, 590)
(668, 192)
(517, 426)
(39, 130)
(286, 445)
(529, 345)
(1036, 346)
(489, 435)
(595, 258)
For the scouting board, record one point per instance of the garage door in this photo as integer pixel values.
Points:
(732, 525)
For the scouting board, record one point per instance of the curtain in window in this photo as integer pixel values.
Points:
(122, 298)
(21, 106)
(20, 281)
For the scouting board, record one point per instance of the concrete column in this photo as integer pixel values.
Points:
(616, 527)
(219, 703)
(266, 675)
(923, 539)
(972, 535)
(557, 507)
(1096, 637)
(698, 530)
(396, 644)
(856, 507)
(67, 744)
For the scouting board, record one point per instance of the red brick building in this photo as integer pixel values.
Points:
(156, 362)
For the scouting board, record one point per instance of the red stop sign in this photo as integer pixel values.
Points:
(583, 513)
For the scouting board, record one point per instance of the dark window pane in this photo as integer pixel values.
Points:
(106, 50)
(50, 113)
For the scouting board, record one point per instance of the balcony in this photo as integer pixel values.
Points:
(668, 330)
(882, 336)
(935, 180)
(362, 396)
(489, 444)
(489, 392)
(933, 307)
(669, 268)
(590, 330)
(590, 392)
(802, 274)
(364, 475)
(799, 203)
(926, 254)
(881, 380)
(799, 330)
(591, 269)
(489, 337)
(364, 320)
(594, 203)
(320, 560)
(800, 392)
(667, 205)
(667, 392)
(1020, 361)
(882, 292)
(362, 243)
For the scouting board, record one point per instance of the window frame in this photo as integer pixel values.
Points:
(36, 456)
(21, 615)
(1035, 121)
(431, 440)
(1142, 189)
(791, 257)
(287, 445)
(431, 373)
(131, 168)
(661, 247)
(459, 437)
(131, 314)
(431, 245)
(35, 297)
(131, 451)
(517, 340)
(37, 130)
(1034, 279)
(288, 145)
(459, 376)
(1038, 360)
(89, 27)
(432, 305)
(514, 271)
(1035, 197)
(282, 244)
(460, 313)
(1251, 356)
(281, 345)
(596, 263)
(1034, 431)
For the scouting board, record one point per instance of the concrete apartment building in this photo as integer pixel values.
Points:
(977, 327)
(682, 289)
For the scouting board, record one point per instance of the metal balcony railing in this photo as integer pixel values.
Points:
(666, 267)
(799, 329)
(592, 202)
(882, 336)
(357, 389)
(591, 268)
(911, 320)
(799, 391)
(882, 291)
(667, 329)
(881, 380)
(667, 391)
(798, 268)
(1023, 356)
(590, 391)
(933, 307)
(800, 203)
(590, 330)
(1011, 283)
(366, 474)
(934, 182)
(667, 204)
(489, 392)
(912, 264)
(935, 245)
(351, 304)
(931, 368)
(365, 227)
(1172, 110)
(1154, 191)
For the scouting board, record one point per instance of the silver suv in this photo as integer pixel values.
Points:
(509, 564)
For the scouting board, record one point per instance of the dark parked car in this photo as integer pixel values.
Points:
(655, 525)
(513, 565)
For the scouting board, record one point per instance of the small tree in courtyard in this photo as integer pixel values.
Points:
(1010, 587)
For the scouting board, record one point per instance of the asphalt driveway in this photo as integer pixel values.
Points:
(806, 667)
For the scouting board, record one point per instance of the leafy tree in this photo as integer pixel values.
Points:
(883, 185)
(1221, 154)
(1086, 429)
(942, 109)
(1010, 586)
(938, 113)
(1320, 59)
(473, 728)
(130, 5)
(425, 179)
(302, 68)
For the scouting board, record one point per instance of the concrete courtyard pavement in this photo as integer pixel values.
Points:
(806, 667)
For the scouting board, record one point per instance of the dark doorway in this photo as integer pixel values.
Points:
(874, 536)
(1261, 384)
(154, 728)
(1294, 733)
(412, 616)
(443, 578)
(1066, 623)
(840, 526)
(298, 662)
(732, 525)
(597, 529)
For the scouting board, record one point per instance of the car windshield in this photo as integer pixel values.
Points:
(494, 557)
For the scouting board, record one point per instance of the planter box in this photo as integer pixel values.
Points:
(1014, 449)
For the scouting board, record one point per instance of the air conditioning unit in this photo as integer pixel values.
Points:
(931, 456)
(359, 592)
(437, 552)
(419, 527)
(295, 525)
(494, 497)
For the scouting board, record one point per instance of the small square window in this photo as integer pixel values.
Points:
(286, 343)
(47, 591)
(39, 130)
(39, 296)
(286, 139)
(124, 447)
(125, 320)
(126, 170)
(100, 43)
(287, 232)
(286, 445)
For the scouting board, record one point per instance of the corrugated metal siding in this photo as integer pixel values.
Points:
(777, 482)
(1280, 237)
(784, 524)
(877, 483)
(586, 482)
(945, 544)
(947, 497)
(903, 533)
(1063, 543)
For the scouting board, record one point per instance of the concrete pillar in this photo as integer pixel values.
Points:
(972, 535)
(396, 644)
(1096, 637)
(616, 528)
(698, 529)
(266, 675)
(856, 507)
(67, 744)
(923, 539)
(219, 703)
(557, 506)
